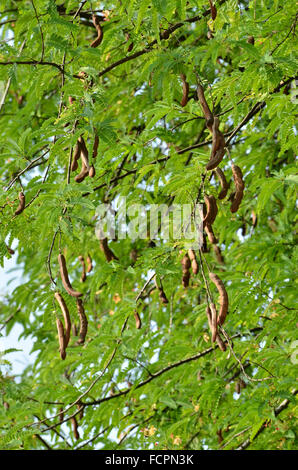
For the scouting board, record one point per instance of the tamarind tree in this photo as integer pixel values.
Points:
(144, 342)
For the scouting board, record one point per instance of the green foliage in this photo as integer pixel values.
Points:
(164, 385)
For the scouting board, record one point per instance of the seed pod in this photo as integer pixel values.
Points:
(75, 428)
(95, 146)
(185, 270)
(91, 171)
(211, 315)
(223, 298)
(218, 254)
(214, 162)
(220, 343)
(212, 210)
(223, 182)
(66, 316)
(162, 294)
(254, 219)
(239, 184)
(106, 250)
(210, 234)
(99, 30)
(76, 156)
(83, 173)
(84, 153)
(194, 263)
(206, 110)
(83, 275)
(218, 146)
(185, 89)
(213, 10)
(89, 264)
(251, 40)
(74, 329)
(80, 407)
(138, 320)
(61, 338)
(21, 205)
(83, 322)
(64, 277)
(10, 250)
(237, 387)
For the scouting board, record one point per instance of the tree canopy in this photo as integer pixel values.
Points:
(140, 342)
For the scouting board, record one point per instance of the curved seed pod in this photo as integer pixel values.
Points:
(214, 162)
(194, 263)
(138, 320)
(21, 205)
(213, 10)
(64, 277)
(106, 250)
(211, 315)
(91, 171)
(223, 298)
(76, 156)
(10, 250)
(95, 146)
(61, 338)
(218, 254)
(99, 30)
(84, 153)
(239, 184)
(83, 322)
(89, 264)
(206, 110)
(210, 234)
(185, 89)
(83, 173)
(186, 264)
(216, 137)
(66, 316)
(75, 428)
(212, 210)
(162, 294)
(223, 182)
(220, 343)
(83, 275)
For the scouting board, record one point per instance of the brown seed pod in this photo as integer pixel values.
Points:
(213, 10)
(83, 173)
(223, 182)
(138, 320)
(218, 254)
(91, 171)
(99, 30)
(83, 322)
(237, 387)
(74, 329)
(10, 250)
(76, 156)
(206, 110)
(84, 153)
(210, 234)
(162, 294)
(61, 337)
(80, 407)
(89, 264)
(223, 298)
(251, 40)
(212, 210)
(21, 205)
(83, 275)
(254, 219)
(66, 316)
(95, 146)
(220, 343)
(214, 162)
(211, 315)
(239, 184)
(75, 428)
(185, 90)
(194, 263)
(218, 146)
(65, 279)
(186, 264)
(106, 250)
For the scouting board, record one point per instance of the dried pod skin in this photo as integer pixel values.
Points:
(21, 205)
(212, 320)
(185, 90)
(89, 264)
(106, 250)
(97, 41)
(76, 156)
(138, 320)
(64, 277)
(84, 153)
(210, 234)
(213, 10)
(83, 275)
(194, 263)
(92, 171)
(206, 110)
(83, 322)
(163, 296)
(61, 338)
(66, 316)
(239, 184)
(95, 146)
(75, 428)
(220, 343)
(223, 182)
(212, 210)
(223, 298)
(83, 173)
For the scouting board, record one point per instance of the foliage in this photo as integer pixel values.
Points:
(165, 385)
